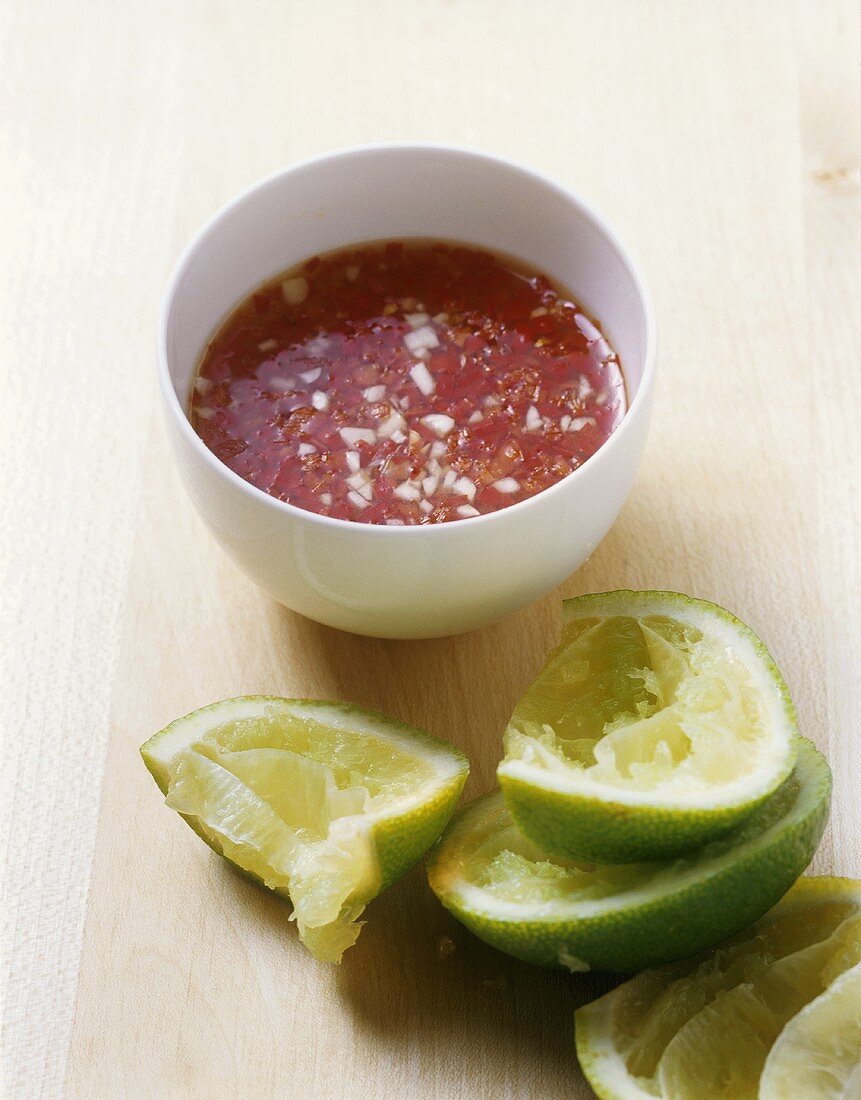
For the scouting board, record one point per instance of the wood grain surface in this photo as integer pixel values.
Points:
(722, 139)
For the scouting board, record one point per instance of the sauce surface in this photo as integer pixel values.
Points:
(407, 382)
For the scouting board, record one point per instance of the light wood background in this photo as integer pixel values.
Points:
(722, 139)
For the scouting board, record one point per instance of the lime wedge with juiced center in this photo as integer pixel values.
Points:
(587, 916)
(818, 1053)
(322, 802)
(774, 1014)
(658, 723)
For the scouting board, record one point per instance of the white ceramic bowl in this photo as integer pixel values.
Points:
(421, 581)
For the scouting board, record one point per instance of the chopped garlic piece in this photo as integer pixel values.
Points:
(320, 400)
(507, 485)
(439, 423)
(437, 450)
(307, 449)
(295, 290)
(416, 320)
(354, 461)
(352, 436)
(276, 382)
(464, 487)
(397, 436)
(202, 385)
(423, 379)
(421, 339)
(355, 498)
(533, 419)
(361, 484)
(475, 417)
(374, 393)
(317, 345)
(429, 485)
(310, 375)
(467, 511)
(580, 422)
(426, 506)
(587, 328)
(326, 498)
(406, 491)
(392, 424)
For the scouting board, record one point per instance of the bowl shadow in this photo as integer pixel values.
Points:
(461, 688)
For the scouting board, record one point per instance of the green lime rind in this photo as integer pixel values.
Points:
(664, 911)
(400, 837)
(619, 826)
(600, 1060)
(600, 830)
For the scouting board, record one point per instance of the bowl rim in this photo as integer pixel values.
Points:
(264, 499)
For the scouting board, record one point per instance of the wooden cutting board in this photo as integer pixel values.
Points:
(722, 141)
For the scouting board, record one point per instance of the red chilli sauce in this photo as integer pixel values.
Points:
(407, 382)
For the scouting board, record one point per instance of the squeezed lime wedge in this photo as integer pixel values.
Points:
(591, 916)
(658, 723)
(321, 802)
(773, 1014)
